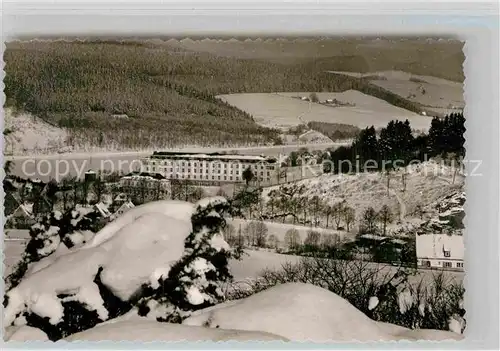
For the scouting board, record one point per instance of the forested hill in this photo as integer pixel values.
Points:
(168, 96)
(142, 94)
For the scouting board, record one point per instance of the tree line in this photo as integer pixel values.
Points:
(396, 146)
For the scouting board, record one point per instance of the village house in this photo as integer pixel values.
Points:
(146, 185)
(126, 206)
(102, 210)
(21, 218)
(440, 251)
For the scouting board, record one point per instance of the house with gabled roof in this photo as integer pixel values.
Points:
(126, 206)
(21, 218)
(102, 209)
(440, 251)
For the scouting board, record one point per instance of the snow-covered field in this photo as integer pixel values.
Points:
(254, 262)
(436, 94)
(284, 110)
(279, 230)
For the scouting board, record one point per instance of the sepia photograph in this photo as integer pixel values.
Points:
(234, 187)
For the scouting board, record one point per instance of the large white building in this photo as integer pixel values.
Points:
(211, 168)
(440, 251)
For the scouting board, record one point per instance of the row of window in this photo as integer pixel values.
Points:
(207, 177)
(217, 164)
(148, 184)
(169, 172)
(445, 264)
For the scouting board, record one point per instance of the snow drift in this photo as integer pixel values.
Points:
(304, 312)
(146, 330)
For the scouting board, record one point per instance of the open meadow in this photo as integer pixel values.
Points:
(435, 95)
(284, 110)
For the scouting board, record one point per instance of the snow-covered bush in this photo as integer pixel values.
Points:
(167, 258)
(196, 280)
(72, 228)
(58, 227)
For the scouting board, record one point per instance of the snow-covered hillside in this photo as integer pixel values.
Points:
(412, 188)
(447, 215)
(32, 135)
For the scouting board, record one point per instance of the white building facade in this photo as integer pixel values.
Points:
(211, 168)
(149, 185)
(440, 251)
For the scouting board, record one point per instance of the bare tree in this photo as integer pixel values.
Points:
(338, 212)
(327, 212)
(369, 221)
(316, 209)
(349, 217)
(292, 239)
(385, 216)
(327, 241)
(419, 211)
(273, 241)
(256, 233)
(229, 233)
(313, 239)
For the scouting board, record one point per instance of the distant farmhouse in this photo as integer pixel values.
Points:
(440, 251)
(208, 169)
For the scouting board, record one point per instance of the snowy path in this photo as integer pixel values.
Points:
(402, 205)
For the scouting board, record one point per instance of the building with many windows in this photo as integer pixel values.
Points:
(211, 168)
(143, 186)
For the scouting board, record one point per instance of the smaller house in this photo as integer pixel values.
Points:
(102, 209)
(121, 198)
(370, 240)
(122, 209)
(11, 203)
(22, 217)
(440, 251)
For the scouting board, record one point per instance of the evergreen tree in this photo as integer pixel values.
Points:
(367, 147)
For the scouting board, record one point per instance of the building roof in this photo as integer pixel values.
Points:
(144, 175)
(209, 156)
(103, 209)
(127, 205)
(373, 237)
(25, 210)
(434, 245)
(121, 197)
